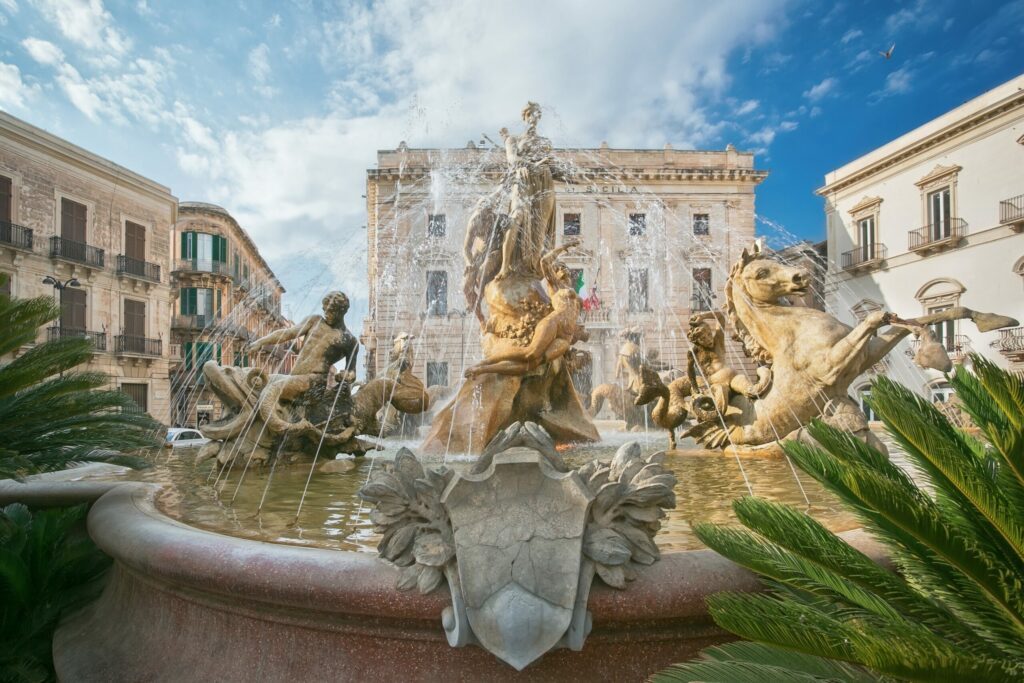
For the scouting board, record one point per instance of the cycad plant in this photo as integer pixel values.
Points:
(954, 608)
(49, 567)
(52, 416)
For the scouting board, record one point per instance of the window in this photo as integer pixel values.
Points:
(134, 318)
(6, 284)
(577, 278)
(942, 393)
(199, 301)
(241, 360)
(702, 289)
(72, 309)
(945, 331)
(571, 224)
(637, 224)
(134, 241)
(437, 225)
(197, 353)
(6, 200)
(865, 396)
(437, 373)
(139, 394)
(204, 250)
(866, 231)
(437, 292)
(701, 224)
(72, 220)
(939, 221)
(638, 290)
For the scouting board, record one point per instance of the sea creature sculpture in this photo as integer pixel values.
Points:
(813, 357)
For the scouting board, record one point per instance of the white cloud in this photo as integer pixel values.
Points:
(43, 51)
(14, 92)
(746, 107)
(259, 62)
(273, 22)
(861, 60)
(897, 83)
(921, 14)
(87, 24)
(9, 5)
(766, 136)
(821, 90)
(852, 34)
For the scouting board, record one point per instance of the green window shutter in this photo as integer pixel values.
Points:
(183, 254)
(218, 353)
(183, 301)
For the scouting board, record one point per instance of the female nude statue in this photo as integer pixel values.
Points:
(531, 228)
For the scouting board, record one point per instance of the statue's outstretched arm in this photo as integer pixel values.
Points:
(285, 334)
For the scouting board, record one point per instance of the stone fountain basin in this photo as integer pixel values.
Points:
(183, 604)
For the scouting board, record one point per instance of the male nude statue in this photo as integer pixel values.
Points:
(326, 342)
(708, 359)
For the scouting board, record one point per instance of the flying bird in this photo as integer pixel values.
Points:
(888, 53)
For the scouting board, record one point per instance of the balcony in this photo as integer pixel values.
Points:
(193, 322)
(1011, 344)
(1011, 212)
(139, 346)
(98, 339)
(79, 252)
(142, 270)
(16, 236)
(202, 266)
(865, 257)
(958, 347)
(944, 234)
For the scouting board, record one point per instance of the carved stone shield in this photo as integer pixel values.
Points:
(518, 537)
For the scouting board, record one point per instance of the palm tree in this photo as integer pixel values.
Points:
(52, 416)
(953, 610)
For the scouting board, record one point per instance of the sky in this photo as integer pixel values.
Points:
(275, 110)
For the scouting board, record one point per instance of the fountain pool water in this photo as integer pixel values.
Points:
(334, 517)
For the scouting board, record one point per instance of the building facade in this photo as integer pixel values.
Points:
(659, 229)
(933, 220)
(68, 214)
(224, 295)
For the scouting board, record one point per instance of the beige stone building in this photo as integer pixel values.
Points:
(224, 296)
(68, 213)
(931, 220)
(659, 229)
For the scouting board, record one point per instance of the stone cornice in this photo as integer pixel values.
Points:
(958, 128)
(620, 175)
(865, 204)
(938, 172)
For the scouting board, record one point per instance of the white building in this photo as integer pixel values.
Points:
(932, 220)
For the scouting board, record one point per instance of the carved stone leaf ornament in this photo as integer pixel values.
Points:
(519, 537)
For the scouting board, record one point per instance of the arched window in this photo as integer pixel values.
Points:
(863, 394)
(940, 295)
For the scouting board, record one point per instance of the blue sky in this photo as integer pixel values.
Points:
(275, 109)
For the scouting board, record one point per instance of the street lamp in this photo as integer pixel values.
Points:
(59, 286)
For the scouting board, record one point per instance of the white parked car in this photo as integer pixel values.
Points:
(184, 437)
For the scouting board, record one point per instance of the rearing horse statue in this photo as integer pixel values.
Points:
(813, 356)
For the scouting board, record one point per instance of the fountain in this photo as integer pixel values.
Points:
(508, 513)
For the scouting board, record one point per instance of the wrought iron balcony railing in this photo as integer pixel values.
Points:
(201, 266)
(80, 252)
(143, 270)
(864, 256)
(98, 339)
(193, 322)
(1010, 340)
(126, 343)
(944, 233)
(1011, 211)
(15, 235)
